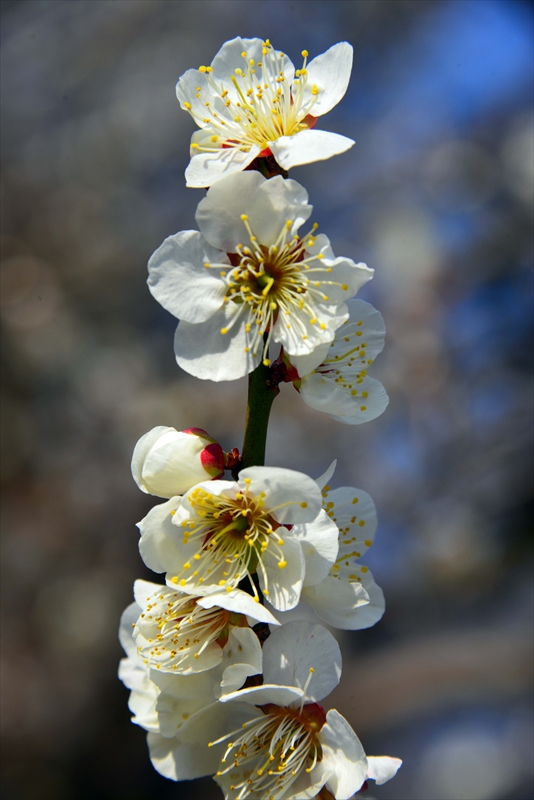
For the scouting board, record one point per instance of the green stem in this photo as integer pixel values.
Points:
(260, 399)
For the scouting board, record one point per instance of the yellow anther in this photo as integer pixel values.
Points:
(202, 69)
(304, 505)
(244, 54)
(365, 394)
(305, 54)
(368, 542)
(282, 564)
(214, 138)
(183, 582)
(266, 362)
(315, 89)
(194, 146)
(174, 580)
(244, 217)
(363, 408)
(188, 106)
(364, 569)
(238, 71)
(224, 330)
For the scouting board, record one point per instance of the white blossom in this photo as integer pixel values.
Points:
(167, 462)
(185, 634)
(248, 278)
(289, 747)
(163, 702)
(221, 532)
(252, 102)
(334, 377)
(348, 597)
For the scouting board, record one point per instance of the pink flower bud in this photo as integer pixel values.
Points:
(167, 462)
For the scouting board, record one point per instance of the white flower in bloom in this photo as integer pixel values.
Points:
(184, 634)
(348, 597)
(289, 747)
(252, 102)
(163, 702)
(221, 532)
(248, 278)
(167, 462)
(339, 385)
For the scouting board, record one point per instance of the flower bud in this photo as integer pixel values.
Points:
(167, 462)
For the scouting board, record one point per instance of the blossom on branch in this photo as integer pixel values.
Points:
(249, 278)
(348, 597)
(269, 522)
(334, 377)
(184, 634)
(289, 747)
(251, 102)
(167, 462)
(163, 702)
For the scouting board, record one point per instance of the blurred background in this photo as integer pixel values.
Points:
(437, 197)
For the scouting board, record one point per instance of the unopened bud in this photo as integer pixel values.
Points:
(167, 462)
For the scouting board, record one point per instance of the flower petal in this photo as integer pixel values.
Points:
(178, 761)
(330, 73)
(293, 650)
(283, 586)
(128, 619)
(178, 279)
(203, 351)
(290, 496)
(323, 480)
(242, 656)
(171, 464)
(304, 364)
(308, 146)
(320, 543)
(382, 768)
(240, 602)
(160, 544)
(207, 168)
(267, 203)
(365, 407)
(344, 755)
(187, 90)
(268, 693)
(300, 336)
(337, 602)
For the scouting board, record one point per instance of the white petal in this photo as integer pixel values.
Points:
(268, 693)
(307, 363)
(172, 463)
(229, 58)
(337, 602)
(161, 544)
(355, 512)
(382, 768)
(143, 698)
(267, 203)
(364, 317)
(308, 146)
(203, 351)
(301, 611)
(290, 496)
(178, 279)
(344, 754)
(330, 72)
(242, 656)
(143, 591)
(240, 602)
(141, 450)
(283, 586)
(214, 721)
(207, 168)
(299, 336)
(128, 619)
(178, 761)
(187, 91)
(292, 650)
(364, 409)
(320, 543)
(323, 481)
(346, 272)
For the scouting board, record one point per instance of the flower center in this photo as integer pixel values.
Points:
(273, 750)
(234, 535)
(261, 105)
(265, 284)
(173, 629)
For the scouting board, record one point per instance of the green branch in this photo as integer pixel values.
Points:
(260, 399)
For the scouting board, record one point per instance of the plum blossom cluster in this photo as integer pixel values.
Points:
(227, 660)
